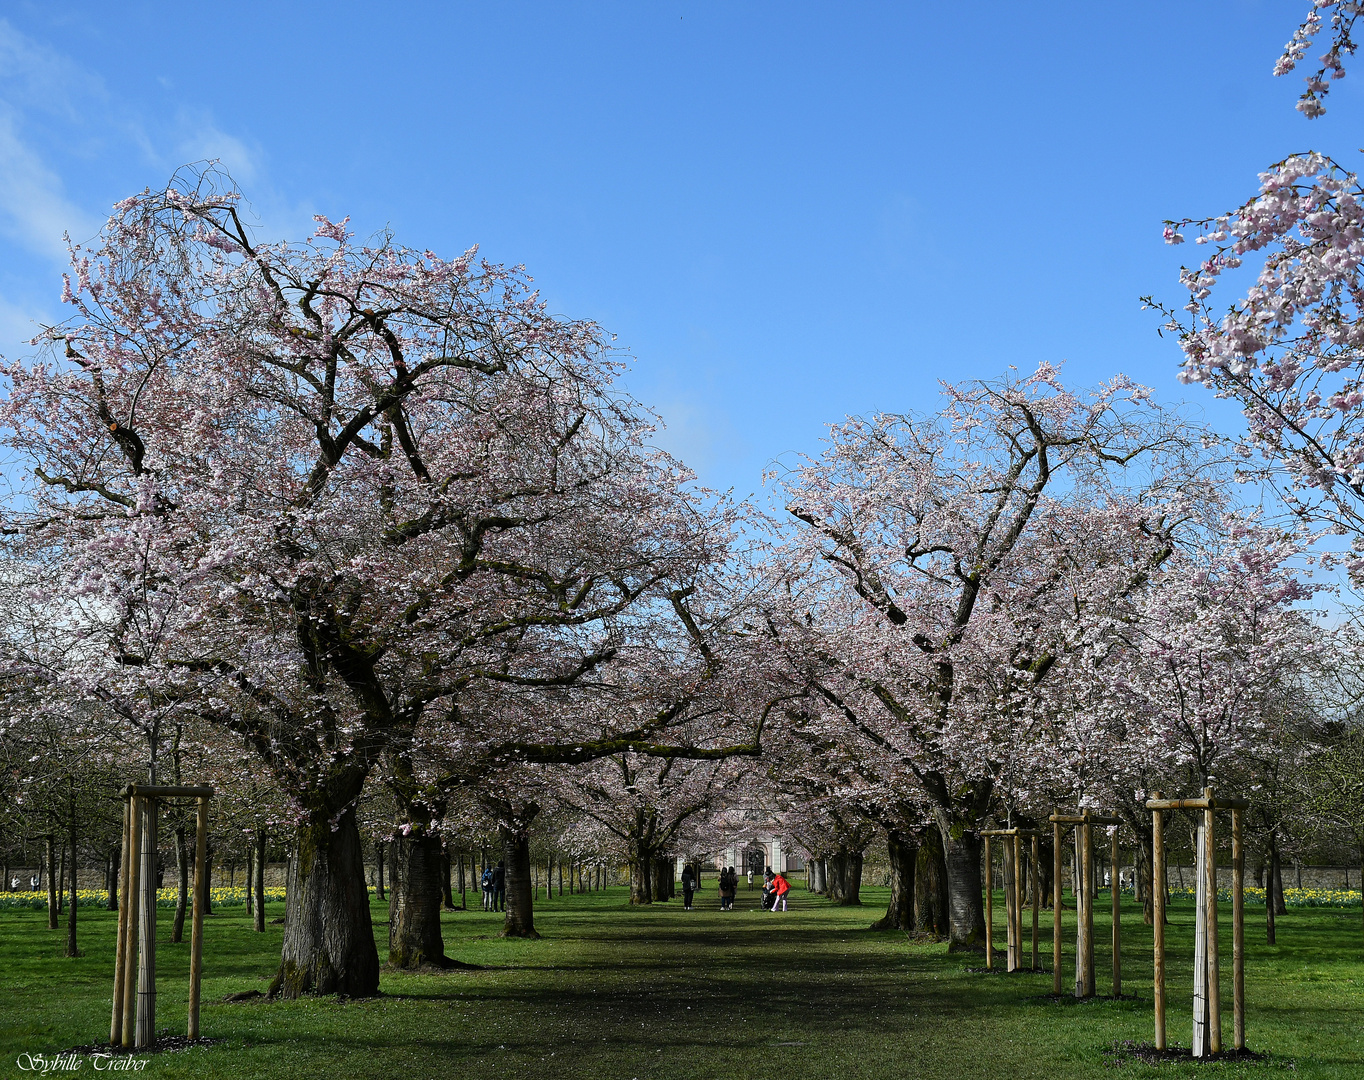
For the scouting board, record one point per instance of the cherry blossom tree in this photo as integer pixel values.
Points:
(312, 492)
(952, 561)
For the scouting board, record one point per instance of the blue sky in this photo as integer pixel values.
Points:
(787, 213)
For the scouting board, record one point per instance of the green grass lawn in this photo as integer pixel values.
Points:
(615, 993)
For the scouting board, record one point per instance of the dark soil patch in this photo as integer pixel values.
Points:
(1128, 1050)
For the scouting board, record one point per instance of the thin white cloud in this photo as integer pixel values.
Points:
(18, 325)
(82, 121)
(35, 76)
(206, 142)
(33, 209)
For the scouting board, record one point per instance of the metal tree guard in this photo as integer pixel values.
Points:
(133, 1022)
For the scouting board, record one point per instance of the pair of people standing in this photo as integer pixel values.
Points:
(729, 885)
(494, 884)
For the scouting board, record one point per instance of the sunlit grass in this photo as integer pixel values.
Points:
(615, 992)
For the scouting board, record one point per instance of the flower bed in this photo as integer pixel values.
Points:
(222, 896)
(1332, 898)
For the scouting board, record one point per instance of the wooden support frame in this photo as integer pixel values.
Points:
(1083, 825)
(1056, 908)
(133, 1019)
(1015, 890)
(1207, 969)
(1115, 861)
(121, 950)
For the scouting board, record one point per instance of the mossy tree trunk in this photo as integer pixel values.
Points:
(844, 870)
(328, 936)
(641, 880)
(965, 899)
(414, 935)
(520, 904)
(663, 878)
(930, 888)
(903, 852)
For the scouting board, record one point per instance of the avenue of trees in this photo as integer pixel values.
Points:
(375, 544)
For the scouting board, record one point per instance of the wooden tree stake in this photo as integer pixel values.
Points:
(989, 909)
(1238, 924)
(1036, 901)
(1214, 971)
(1056, 909)
(1158, 929)
(146, 972)
(130, 949)
(1117, 920)
(201, 885)
(121, 952)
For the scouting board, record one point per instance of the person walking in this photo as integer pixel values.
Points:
(500, 886)
(688, 886)
(780, 887)
(487, 882)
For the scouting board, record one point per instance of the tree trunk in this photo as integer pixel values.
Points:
(852, 884)
(663, 878)
(328, 936)
(111, 878)
(520, 905)
(447, 885)
(51, 882)
(1145, 879)
(250, 879)
(379, 871)
(1276, 877)
(61, 879)
(182, 892)
(845, 878)
(208, 880)
(414, 936)
(819, 877)
(259, 924)
(965, 904)
(71, 949)
(833, 876)
(641, 875)
(903, 854)
(930, 888)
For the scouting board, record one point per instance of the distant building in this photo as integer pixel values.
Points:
(748, 842)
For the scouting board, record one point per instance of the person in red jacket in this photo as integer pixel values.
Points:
(780, 887)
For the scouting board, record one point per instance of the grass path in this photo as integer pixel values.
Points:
(614, 993)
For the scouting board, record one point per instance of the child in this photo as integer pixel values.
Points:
(780, 887)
